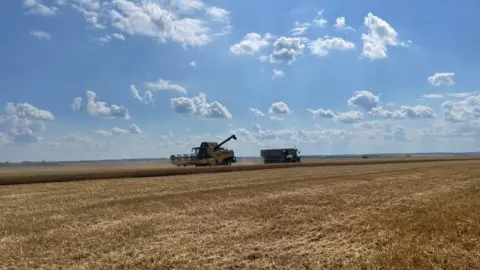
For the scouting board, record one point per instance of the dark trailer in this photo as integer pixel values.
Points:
(282, 155)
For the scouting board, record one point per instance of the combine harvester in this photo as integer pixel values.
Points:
(283, 155)
(208, 154)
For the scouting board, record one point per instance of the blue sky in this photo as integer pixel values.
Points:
(152, 78)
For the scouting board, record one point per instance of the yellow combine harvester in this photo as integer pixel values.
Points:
(208, 154)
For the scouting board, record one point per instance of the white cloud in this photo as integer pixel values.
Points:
(41, 34)
(22, 123)
(462, 94)
(275, 118)
(118, 36)
(319, 20)
(199, 107)
(349, 117)
(276, 73)
(417, 111)
(147, 95)
(404, 112)
(364, 99)
(340, 24)
(263, 58)
(108, 38)
(251, 44)
(193, 64)
(433, 96)
(116, 131)
(218, 14)
(25, 110)
(322, 113)
(285, 49)
(279, 108)
(257, 112)
(464, 110)
(322, 46)
(91, 11)
(178, 21)
(441, 78)
(300, 28)
(36, 7)
(134, 129)
(379, 36)
(165, 85)
(101, 109)
(77, 104)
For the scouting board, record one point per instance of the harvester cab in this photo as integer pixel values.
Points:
(208, 154)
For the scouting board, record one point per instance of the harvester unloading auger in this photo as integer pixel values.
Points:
(208, 154)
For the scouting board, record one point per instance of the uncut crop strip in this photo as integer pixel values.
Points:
(50, 177)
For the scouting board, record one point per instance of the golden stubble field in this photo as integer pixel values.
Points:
(391, 216)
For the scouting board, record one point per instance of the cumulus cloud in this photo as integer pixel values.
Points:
(285, 49)
(257, 112)
(218, 14)
(464, 110)
(322, 46)
(36, 7)
(188, 5)
(340, 24)
(152, 20)
(404, 112)
(165, 85)
(25, 110)
(147, 95)
(100, 108)
(251, 44)
(186, 22)
(91, 11)
(22, 123)
(279, 108)
(198, 106)
(193, 64)
(441, 78)
(322, 113)
(349, 117)
(276, 73)
(134, 129)
(380, 35)
(41, 34)
(364, 99)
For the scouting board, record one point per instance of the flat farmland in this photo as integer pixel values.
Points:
(90, 171)
(389, 216)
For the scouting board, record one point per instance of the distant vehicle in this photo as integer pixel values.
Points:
(208, 154)
(282, 155)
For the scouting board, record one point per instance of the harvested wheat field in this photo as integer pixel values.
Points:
(389, 216)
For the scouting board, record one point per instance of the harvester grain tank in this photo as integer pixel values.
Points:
(207, 154)
(282, 155)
